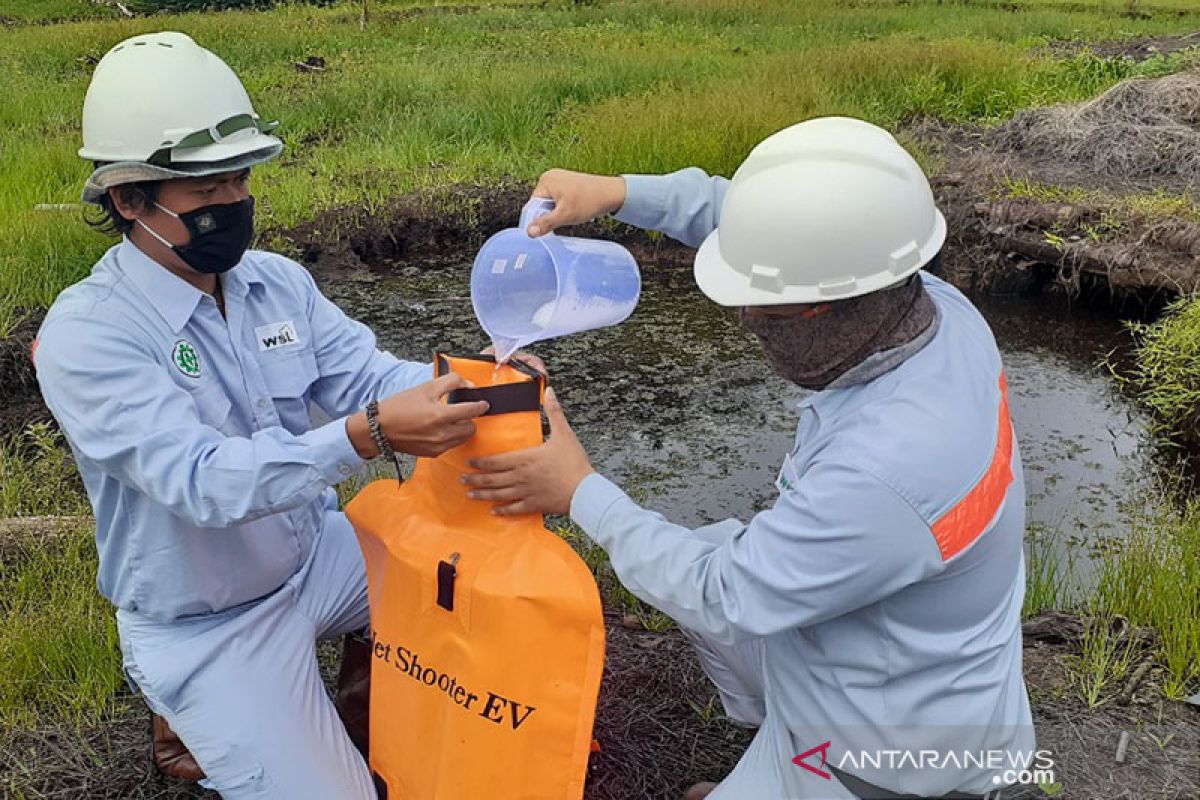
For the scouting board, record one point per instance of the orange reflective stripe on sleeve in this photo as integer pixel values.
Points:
(970, 517)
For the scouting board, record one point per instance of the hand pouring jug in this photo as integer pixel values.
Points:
(525, 290)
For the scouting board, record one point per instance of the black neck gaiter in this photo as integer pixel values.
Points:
(815, 350)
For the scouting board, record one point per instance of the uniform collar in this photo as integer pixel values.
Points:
(874, 367)
(236, 282)
(172, 297)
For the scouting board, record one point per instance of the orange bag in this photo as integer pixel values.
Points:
(487, 631)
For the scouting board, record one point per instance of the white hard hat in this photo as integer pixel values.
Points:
(825, 210)
(161, 106)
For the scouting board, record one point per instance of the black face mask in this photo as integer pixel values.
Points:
(220, 235)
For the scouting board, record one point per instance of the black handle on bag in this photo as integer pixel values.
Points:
(506, 398)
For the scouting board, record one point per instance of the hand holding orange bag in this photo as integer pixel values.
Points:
(487, 631)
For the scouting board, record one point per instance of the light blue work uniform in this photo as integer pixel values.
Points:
(218, 531)
(876, 606)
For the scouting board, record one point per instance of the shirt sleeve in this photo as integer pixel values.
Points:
(121, 411)
(685, 205)
(837, 542)
(353, 370)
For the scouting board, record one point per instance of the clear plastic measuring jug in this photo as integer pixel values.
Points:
(525, 289)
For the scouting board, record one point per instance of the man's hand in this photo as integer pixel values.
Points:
(528, 359)
(541, 480)
(578, 197)
(419, 421)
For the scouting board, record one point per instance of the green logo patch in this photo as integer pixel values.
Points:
(186, 359)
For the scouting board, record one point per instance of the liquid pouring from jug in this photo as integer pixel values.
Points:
(526, 289)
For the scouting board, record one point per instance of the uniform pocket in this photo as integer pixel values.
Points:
(236, 778)
(289, 374)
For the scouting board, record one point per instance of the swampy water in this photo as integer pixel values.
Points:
(678, 406)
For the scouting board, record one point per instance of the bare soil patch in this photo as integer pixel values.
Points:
(17, 533)
(1132, 10)
(659, 727)
(1141, 49)
(20, 401)
(1052, 195)
(1161, 756)
(441, 227)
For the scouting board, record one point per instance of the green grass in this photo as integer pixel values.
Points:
(1104, 661)
(1159, 204)
(58, 638)
(57, 634)
(46, 11)
(196, 5)
(1048, 581)
(1154, 205)
(1166, 371)
(1154, 581)
(1120, 216)
(38, 476)
(424, 99)
(1148, 579)
(1012, 188)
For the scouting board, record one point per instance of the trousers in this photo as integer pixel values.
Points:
(737, 672)
(242, 687)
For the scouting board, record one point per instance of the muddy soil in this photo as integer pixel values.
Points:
(1140, 138)
(1162, 755)
(660, 729)
(20, 403)
(1141, 49)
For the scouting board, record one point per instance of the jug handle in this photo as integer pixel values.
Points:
(536, 207)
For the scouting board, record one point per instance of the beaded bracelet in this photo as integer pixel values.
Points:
(381, 441)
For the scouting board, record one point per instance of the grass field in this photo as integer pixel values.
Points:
(435, 96)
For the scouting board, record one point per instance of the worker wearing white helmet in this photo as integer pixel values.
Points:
(868, 622)
(182, 373)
